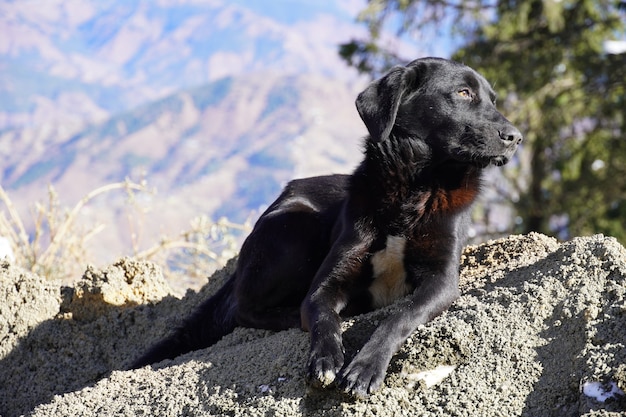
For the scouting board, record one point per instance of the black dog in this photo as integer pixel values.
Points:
(347, 244)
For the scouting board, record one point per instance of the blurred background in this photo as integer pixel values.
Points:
(162, 129)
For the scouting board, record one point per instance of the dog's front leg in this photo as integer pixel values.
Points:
(320, 309)
(326, 356)
(366, 372)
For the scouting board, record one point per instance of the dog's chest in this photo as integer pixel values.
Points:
(389, 273)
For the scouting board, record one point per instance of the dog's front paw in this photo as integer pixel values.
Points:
(362, 377)
(325, 361)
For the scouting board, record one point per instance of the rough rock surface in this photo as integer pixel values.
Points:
(540, 330)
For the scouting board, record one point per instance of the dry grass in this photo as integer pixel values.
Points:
(57, 247)
(193, 255)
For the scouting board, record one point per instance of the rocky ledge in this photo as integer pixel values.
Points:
(540, 330)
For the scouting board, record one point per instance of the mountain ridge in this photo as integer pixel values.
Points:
(231, 144)
(116, 56)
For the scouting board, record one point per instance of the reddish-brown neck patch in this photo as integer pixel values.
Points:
(447, 201)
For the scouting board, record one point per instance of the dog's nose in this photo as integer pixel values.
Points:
(511, 135)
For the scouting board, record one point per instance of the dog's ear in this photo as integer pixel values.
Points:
(378, 104)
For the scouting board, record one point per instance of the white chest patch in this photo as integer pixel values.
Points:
(389, 273)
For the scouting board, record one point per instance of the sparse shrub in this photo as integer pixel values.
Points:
(57, 245)
(197, 252)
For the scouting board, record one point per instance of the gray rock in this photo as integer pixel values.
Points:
(539, 331)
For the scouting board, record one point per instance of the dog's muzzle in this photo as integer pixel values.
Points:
(511, 136)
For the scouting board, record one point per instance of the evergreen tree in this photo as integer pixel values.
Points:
(557, 82)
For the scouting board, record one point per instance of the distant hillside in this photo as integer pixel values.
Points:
(222, 149)
(216, 103)
(82, 60)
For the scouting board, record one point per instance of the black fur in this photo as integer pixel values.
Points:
(346, 244)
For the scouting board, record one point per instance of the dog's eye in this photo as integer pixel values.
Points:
(465, 93)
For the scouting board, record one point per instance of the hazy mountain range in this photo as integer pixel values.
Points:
(215, 103)
(115, 55)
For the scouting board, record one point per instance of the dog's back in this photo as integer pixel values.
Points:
(293, 234)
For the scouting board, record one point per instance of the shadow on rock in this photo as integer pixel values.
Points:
(83, 332)
(585, 333)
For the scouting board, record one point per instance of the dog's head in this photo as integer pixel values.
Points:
(447, 105)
